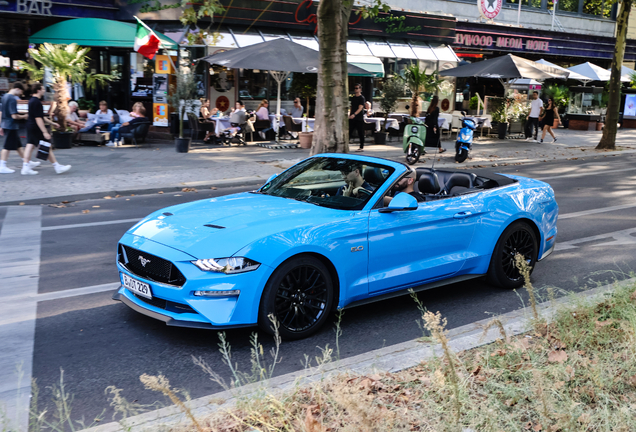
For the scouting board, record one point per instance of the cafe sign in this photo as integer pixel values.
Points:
(504, 42)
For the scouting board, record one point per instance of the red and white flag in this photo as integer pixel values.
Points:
(146, 41)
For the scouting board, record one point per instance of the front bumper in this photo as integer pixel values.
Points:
(178, 306)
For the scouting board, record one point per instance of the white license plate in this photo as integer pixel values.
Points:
(138, 287)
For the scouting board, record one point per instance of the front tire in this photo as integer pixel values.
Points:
(413, 153)
(518, 237)
(300, 295)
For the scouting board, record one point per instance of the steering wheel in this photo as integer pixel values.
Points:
(364, 192)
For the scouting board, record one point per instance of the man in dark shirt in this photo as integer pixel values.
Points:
(356, 114)
(36, 132)
(9, 126)
(405, 185)
(355, 185)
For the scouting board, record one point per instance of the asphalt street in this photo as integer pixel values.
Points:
(99, 342)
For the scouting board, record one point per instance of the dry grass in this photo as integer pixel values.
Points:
(577, 373)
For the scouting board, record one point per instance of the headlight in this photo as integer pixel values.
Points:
(227, 265)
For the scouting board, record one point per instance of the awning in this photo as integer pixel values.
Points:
(94, 32)
(370, 64)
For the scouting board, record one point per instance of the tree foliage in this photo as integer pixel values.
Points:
(560, 95)
(419, 82)
(68, 64)
(183, 94)
(392, 89)
(304, 85)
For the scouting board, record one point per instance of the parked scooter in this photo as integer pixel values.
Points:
(464, 138)
(413, 140)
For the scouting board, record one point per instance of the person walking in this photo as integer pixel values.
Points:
(432, 126)
(9, 126)
(550, 119)
(356, 114)
(36, 132)
(532, 125)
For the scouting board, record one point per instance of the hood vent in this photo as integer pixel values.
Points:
(214, 226)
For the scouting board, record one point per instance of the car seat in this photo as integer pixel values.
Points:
(428, 183)
(457, 183)
(373, 176)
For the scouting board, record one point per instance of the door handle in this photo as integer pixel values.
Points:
(462, 215)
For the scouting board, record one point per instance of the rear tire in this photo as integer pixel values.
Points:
(518, 237)
(300, 294)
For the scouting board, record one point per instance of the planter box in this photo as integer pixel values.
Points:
(305, 139)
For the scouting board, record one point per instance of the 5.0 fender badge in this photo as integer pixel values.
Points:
(357, 249)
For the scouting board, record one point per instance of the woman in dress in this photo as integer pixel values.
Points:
(207, 123)
(550, 119)
(432, 126)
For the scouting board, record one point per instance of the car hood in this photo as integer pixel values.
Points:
(219, 227)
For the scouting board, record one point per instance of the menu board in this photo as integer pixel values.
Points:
(629, 110)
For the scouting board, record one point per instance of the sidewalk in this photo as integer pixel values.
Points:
(99, 171)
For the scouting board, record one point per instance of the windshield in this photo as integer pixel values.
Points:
(342, 184)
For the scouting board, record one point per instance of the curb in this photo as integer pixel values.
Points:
(389, 359)
(225, 183)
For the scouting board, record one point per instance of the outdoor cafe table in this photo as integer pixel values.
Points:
(443, 121)
(297, 120)
(222, 123)
(390, 123)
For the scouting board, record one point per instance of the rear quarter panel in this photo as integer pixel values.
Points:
(528, 199)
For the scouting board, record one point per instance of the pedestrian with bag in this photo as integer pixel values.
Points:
(36, 132)
(356, 114)
(9, 126)
(550, 119)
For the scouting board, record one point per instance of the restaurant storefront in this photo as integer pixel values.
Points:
(384, 45)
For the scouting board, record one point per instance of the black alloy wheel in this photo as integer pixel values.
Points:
(517, 238)
(413, 153)
(299, 295)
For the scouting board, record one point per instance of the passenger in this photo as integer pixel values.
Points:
(405, 185)
(355, 185)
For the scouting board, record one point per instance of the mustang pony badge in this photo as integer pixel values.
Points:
(143, 261)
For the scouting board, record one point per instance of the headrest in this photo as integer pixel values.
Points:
(428, 183)
(463, 180)
(373, 175)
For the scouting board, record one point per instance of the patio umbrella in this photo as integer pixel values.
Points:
(596, 73)
(573, 75)
(506, 67)
(626, 73)
(279, 56)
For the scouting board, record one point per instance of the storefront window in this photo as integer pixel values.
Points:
(569, 5)
(531, 3)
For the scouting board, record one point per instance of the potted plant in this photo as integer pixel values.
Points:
(418, 82)
(500, 117)
(561, 97)
(305, 86)
(183, 96)
(67, 64)
(473, 104)
(392, 89)
(85, 106)
(305, 138)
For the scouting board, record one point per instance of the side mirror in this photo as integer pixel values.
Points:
(401, 202)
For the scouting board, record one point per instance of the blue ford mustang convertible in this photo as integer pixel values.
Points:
(331, 232)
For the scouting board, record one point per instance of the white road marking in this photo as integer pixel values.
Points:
(20, 240)
(596, 211)
(90, 224)
(584, 174)
(616, 238)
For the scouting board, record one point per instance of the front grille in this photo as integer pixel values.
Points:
(155, 268)
(167, 304)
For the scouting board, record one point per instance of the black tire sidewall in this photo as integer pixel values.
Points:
(496, 275)
(269, 296)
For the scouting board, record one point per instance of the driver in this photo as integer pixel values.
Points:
(355, 185)
(405, 184)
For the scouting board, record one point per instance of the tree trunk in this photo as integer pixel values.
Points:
(331, 131)
(608, 141)
(415, 105)
(61, 102)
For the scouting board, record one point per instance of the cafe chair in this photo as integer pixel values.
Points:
(138, 133)
(290, 125)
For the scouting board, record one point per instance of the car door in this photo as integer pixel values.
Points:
(416, 246)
